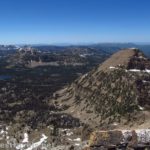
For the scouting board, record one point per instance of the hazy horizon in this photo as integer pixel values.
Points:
(75, 44)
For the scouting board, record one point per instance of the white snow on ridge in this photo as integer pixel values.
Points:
(7, 128)
(77, 144)
(141, 57)
(69, 139)
(142, 134)
(134, 70)
(2, 131)
(141, 108)
(115, 124)
(137, 70)
(144, 81)
(111, 67)
(69, 133)
(25, 140)
(77, 140)
(147, 70)
(65, 130)
(20, 146)
(37, 144)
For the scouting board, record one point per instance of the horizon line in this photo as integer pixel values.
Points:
(78, 43)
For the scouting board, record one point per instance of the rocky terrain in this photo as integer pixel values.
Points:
(119, 139)
(115, 92)
(64, 56)
(25, 91)
(114, 95)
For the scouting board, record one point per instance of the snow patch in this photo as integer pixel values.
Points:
(115, 124)
(134, 70)
(141, 108)
(77, 144)
(77, 140)
(137, 70)
(37, 144)
(147, 70)
(2, 131)
(7, 128)
(69, 133)
(111, 67)
(69, 139)
(65, 130)
(25, 140)
(20, 146)
(143, 135)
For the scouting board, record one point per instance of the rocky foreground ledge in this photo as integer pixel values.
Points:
(120, 139)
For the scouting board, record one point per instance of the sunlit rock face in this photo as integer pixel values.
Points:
(120, 138)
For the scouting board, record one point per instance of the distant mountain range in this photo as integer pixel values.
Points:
(111, 47)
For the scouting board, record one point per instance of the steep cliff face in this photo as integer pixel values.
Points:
(117, 91)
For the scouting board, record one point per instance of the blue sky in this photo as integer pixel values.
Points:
(74, 21)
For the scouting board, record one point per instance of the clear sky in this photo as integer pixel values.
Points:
(74, 21)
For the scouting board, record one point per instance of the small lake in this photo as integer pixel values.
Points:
(5, 77)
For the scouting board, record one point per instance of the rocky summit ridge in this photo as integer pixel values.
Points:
(115, 94)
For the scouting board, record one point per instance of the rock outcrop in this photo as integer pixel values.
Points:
(123, 139)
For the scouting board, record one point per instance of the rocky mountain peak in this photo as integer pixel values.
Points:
(115, 91)
(124, 58)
